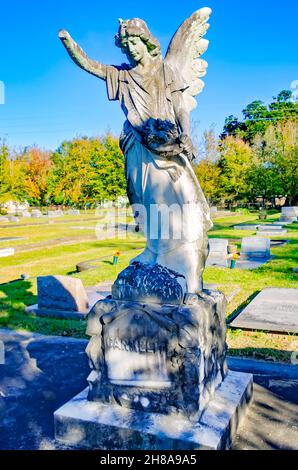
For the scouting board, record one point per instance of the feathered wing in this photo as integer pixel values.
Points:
(185, 50)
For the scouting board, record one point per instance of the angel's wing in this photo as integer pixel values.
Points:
(185, 50)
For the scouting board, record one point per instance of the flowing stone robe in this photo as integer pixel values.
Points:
(179, 241)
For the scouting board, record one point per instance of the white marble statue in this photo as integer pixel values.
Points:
(156, 96)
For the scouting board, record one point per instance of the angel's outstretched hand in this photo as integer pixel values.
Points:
(63, 34)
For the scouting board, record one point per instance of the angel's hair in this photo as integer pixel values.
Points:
(137, 27)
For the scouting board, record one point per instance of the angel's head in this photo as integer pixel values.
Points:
(135, 40)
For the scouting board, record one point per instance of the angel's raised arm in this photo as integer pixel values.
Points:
(80, 58)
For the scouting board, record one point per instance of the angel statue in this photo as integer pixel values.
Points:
(157, 95)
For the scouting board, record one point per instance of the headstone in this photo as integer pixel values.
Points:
(36, 213)
(289, 211)
(218, 252)
(274, 309)
(289, 214)
(255, 247)
(57, 213)
(73, 212)
(213, 210)
(26, 214)
(282, 222)
(4, 252)
(252, 227)
(4, 219)
(61, 293)
(271, 230)
(13, 219)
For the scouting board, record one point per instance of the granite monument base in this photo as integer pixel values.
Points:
(84, 424)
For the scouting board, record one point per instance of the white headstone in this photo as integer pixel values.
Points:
(270, 228)
(4, 252)
(255, 247)
(218, 252)
(57, 213)
(289, 211)
(36, 213)
(73, 212)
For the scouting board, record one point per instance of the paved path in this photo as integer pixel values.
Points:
(40, 373)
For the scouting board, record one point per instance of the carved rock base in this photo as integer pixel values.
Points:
(157, 358)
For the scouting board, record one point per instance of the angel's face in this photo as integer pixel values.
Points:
(137, 49)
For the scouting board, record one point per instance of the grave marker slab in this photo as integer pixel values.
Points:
(274, 309)
(255, 247)
(252, 227)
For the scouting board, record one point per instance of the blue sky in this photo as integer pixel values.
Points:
(252, 55)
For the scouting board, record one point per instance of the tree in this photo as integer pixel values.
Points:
(87, 170)
(234, 164)
(38, 166)
(11, 176)
(258, 117)
(207, 169)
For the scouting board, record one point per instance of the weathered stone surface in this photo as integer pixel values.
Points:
(274, 309)
(157, 358)
(148, 283)
(255, 247)
(83, 424)
(61, 293)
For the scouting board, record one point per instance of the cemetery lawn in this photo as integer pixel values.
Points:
(56, 248)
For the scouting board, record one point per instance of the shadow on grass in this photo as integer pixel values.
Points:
(15, 296)
(264, 354)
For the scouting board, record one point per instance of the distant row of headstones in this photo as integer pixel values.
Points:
(288, 216)
(37, 214)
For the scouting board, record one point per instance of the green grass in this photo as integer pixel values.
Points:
(56, 248)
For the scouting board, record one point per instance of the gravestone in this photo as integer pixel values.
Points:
(255, 247)
(218, 252)
(270, 230)
(252, 227)
(13, 219)
(4, 219)
(36, 213)
(60, 297)
(274, 309)
(73, 212)
(26, 214)
(289, 214)
(4, 252)
(57, 213)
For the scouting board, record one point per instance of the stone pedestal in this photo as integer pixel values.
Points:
(159, 378)
(158, 358)
(84, 424)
